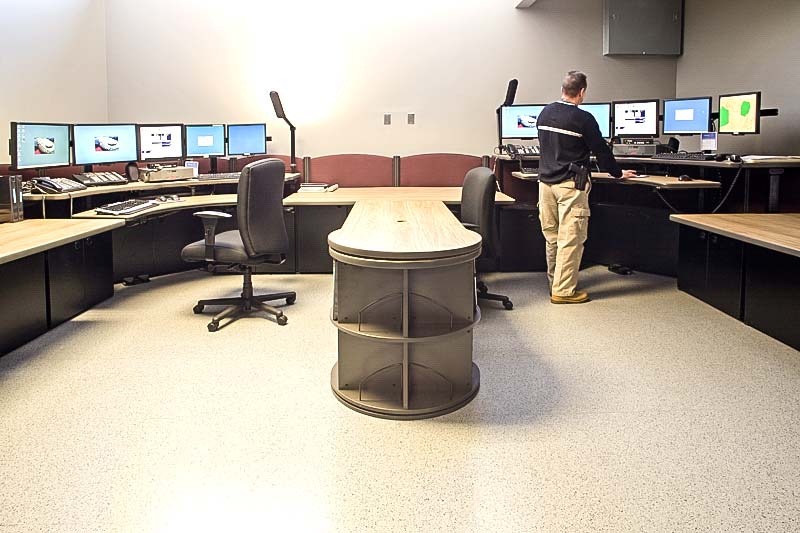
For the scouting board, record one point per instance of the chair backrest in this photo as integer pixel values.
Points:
(260, 208)
(477, 206)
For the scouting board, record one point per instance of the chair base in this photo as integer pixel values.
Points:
(246, 303)
(484, 294)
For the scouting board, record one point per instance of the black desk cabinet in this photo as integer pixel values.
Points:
(314, 223)
(23, 299)
(772, 289)
(80, 275)
(711, 268)
(522, 246)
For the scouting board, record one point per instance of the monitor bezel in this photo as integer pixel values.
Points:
(74, 148)
(758, 113)
(224, 140)
(634, 135)
(158, 125)
(664, 115)
(610, 116)
(526, 138)
(13, 140)
(228, 144)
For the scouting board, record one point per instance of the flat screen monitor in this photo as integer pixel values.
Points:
(160, 142)
(685, 116)
(247, 139)
(205, 140)
(99, 144)
(36, 145)
(602, 114)
(519, 121)
(740, 113)
(636, 118)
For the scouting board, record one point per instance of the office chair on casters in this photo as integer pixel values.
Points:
(261, 238)
(477, 214)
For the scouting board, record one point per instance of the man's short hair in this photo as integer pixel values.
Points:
(573, 83)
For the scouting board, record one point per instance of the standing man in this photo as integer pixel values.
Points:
(567, 135)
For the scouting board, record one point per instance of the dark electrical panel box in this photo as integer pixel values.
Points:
(643, 27)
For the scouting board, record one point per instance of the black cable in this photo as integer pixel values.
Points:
(671, 207)
(730, 190)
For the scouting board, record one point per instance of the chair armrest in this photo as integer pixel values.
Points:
(210, 219)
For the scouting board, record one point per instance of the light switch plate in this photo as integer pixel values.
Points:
(387, 119)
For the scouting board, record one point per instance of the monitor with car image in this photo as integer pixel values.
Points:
(39, 145)
(519, 121)
(99, 144)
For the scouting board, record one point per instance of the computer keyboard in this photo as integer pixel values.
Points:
(528, 170)
(127, 207)
(219, 176)
(685, 156)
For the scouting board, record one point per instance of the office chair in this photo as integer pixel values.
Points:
(261, 238)
(477, 214)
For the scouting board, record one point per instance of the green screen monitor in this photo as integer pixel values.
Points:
(740, 113)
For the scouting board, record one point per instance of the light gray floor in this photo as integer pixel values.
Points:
(642, 410)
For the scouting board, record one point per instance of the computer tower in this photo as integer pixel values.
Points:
(10, 198)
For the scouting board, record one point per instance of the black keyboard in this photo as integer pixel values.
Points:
(529, 170)
(219, 176)
(685, 156)
(127, 207)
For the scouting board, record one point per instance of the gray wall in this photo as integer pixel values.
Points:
(339, 65)
(743, 45)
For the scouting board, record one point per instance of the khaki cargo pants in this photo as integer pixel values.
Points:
(564, 214)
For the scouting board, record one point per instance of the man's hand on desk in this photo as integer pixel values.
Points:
(628, 174)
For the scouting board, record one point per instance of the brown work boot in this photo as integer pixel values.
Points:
(578, 297)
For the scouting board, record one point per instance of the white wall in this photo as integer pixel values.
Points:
(53, 63)
(340, 64)
(740, 45)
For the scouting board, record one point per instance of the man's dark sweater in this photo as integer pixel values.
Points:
(566, 135)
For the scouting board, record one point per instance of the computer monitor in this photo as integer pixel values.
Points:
(247, 139)
(519, 121)
(685, 116)
(99, 144)
(205, 140)
(35, 145)
(160, 142)
(602, 114)
(740, 113)
(636, 118)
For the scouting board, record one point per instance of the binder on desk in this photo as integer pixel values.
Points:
(318, 187)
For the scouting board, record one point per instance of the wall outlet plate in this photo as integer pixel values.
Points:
(387, 119)
(412, 118)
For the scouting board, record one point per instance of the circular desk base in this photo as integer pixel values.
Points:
(393, 410)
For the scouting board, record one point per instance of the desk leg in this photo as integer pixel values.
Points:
(774, 189)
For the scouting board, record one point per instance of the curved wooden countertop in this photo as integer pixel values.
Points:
(403, 230)
(29, 237)
(776, 231)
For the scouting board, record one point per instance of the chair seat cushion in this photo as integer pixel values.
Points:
(228, 248)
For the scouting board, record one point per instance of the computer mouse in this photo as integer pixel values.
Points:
(735, 158)
(684, 177)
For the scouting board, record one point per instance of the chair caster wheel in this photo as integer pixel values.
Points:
(483, 289)
(508, 305)
(290, 300)
(282, 320)
(213, 326)
(198, 309)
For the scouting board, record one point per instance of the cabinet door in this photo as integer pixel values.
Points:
(98, 271)
(724, 277)
(692, 261)
(314, 223)
(23, 300)
(65, 271)
(133, 250)
(772, 294)
(521, 240)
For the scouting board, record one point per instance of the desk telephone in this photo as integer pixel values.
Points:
(91, 179)
(517, 150)
(56, 185)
